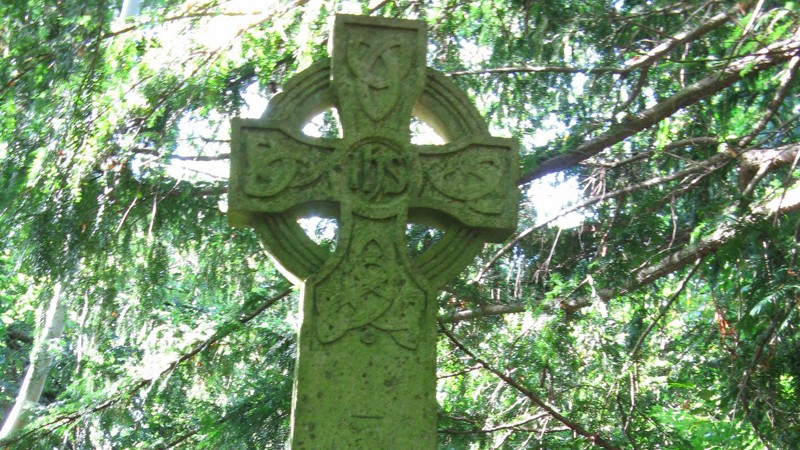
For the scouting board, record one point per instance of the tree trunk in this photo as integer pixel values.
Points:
(130, 8)
(41, 358)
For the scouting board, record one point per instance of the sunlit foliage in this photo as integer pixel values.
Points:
(666, 318)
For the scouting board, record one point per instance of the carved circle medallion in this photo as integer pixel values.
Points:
(442, 103)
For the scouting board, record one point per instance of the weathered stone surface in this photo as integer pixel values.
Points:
(366, 375)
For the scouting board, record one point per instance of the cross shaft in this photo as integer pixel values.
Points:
(366, 361)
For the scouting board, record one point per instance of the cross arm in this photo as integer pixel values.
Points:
(473, 182)
(275, 171)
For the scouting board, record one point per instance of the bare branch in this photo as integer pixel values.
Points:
(539, 69)
(780, 94)
(484, 311)
(576, 428)
(670, 44)
(664, 308)
(766, 58)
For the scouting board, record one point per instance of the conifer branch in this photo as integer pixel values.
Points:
(484, 311)
(656, 53)
(674, 296)
(515, 426)
(779, 203)
(705, 167)
(593, 438)
(135, 386)
(683, 37)
(776, 204)
(777, 100)
(764, 59)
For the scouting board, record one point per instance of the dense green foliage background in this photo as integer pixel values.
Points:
(668, 318)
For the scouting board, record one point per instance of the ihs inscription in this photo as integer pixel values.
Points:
(377, 170)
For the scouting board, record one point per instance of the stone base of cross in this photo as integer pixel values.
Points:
(366, 363)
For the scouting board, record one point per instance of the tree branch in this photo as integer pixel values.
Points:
(630, 65)
(221, 332)
(780, 95)
(202, 158)
(594, 438)
(483, 311)
(777, 204)
(673, 42)
(711, 164)
(754, 164)
(765, 58)
(776, 323)
(786, 201)
(508, 426)
(19, 336)
(41, 357)
(539, 69)
(664, 308)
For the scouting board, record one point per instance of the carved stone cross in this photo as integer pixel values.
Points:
(366, 363)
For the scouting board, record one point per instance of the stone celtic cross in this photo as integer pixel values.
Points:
(366, 363)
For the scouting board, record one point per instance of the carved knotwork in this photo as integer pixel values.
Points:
(372, 173)
(367, 341)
